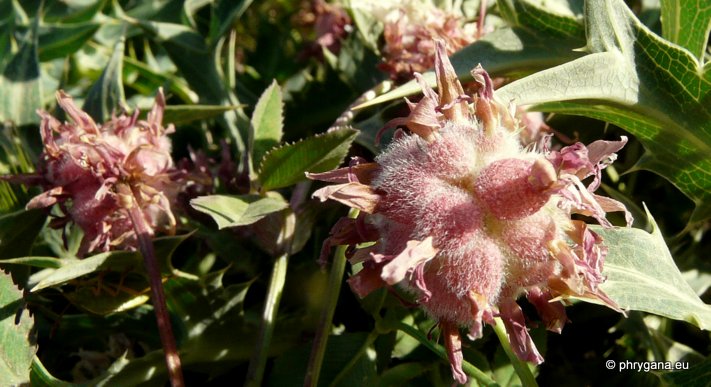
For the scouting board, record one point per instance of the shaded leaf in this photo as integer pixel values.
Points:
(106, 94)
(225, 12)
(106, 295)
(687, 23)
(183, 114)
(648, 86)
(697, 376)
(641, 275)
(44, 262)
(286, 165)
(232, 211)
(183, 45)
(267, 122)
(112, 260)
(20, 83)
(17, 346)
(59, 41)
(18, 231)
(343, 355)
(41, 377)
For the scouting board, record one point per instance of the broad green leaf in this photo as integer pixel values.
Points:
(106, 95)
(287, 164)
(647, 85)
(697, 376)
(367, 24)
(183, 114)
(18, 231)
(504, 52)
(232, 211)
(641, 275)
(558, 17)
(267, 122)
(687, 23)
(17, 345)
(59, 41)
(113, 260)
(20, 83)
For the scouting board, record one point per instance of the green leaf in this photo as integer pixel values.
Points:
(687, 23)
(20, 83)
(43, 262)
(110, 293)
(641, 275)
(286, 165)
(106, 95)
(41, 377)
(647, 85)
(340, 362)
(504, 52)
(232, 211)
(224, 14)
(18, 231)
(267, 122)
(17, 343)
(183, 114)
(113, 260)
(697, 376)
(183, 45)
(59, 41)
(557, 18)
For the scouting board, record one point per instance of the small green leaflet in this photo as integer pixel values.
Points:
(232, 211)
(286, 165)
(106, 94)
(267, 122)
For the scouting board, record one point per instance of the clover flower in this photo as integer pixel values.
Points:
(87, 168)
(459, 214)
(409, 30)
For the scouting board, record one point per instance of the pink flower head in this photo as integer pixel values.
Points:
(83, 163)
(409, 33)
(468, 221)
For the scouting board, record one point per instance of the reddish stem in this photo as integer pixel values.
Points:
(165, 330)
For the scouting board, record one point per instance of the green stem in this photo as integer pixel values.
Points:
(318, 350)
(468, 368)
(521, 367)
(258, 362)
(165, 330)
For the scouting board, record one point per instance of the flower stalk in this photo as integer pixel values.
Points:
(145, 245)
(255, 374)
(318, 350)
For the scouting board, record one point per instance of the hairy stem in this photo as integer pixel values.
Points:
(521, 367)
(165, 330)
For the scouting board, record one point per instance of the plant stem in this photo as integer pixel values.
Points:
(165, 330)
(468, 368)
(318, 350)
(271, 306)
(521, 367)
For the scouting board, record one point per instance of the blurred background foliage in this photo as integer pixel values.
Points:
(214, 59)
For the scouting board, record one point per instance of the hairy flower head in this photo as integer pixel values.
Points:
(83, 163)
(465, 218)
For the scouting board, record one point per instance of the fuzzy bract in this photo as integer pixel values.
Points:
(467, 220)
